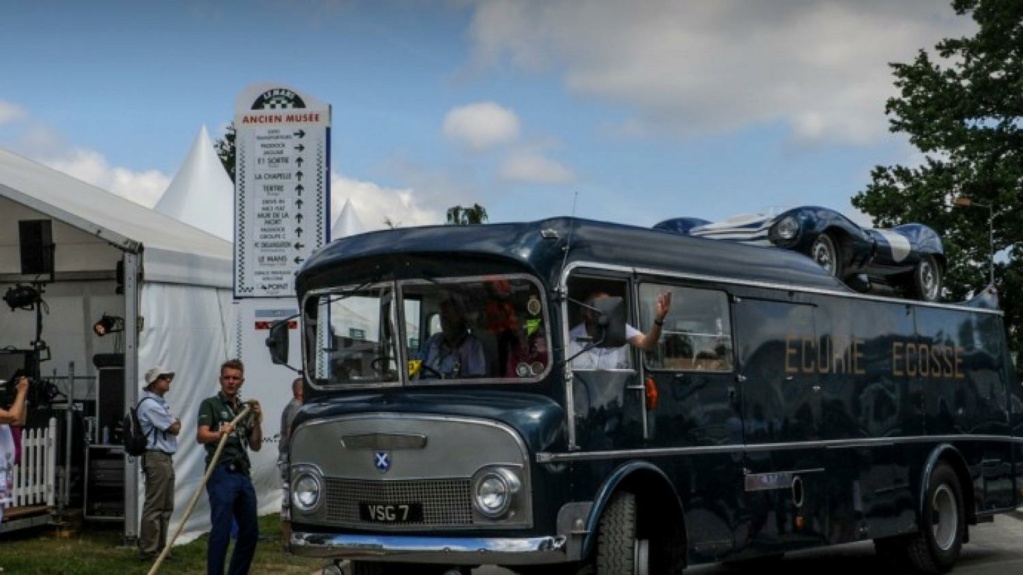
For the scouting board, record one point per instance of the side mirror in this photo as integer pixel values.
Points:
(610, 322)
(277, 342)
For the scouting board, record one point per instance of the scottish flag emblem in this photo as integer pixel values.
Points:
(382, 461)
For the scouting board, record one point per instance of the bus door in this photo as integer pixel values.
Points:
(607, 392)
(692, 402)
(784, 486)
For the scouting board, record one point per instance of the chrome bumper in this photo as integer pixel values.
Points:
(445, 550)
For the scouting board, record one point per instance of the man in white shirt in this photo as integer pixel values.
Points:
(161, 430)
(582, 336)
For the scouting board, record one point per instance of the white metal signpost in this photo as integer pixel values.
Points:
(282, 187)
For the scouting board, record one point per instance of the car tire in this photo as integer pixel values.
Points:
(824, 251)
(927, 280)
(936, 548)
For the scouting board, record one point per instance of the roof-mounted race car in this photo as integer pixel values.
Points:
(908, 257)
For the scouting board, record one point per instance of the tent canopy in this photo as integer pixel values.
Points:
(172, 251)
(201, 193)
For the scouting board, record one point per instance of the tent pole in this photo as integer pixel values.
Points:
(132, 295)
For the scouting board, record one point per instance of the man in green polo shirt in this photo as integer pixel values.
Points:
(230, 490)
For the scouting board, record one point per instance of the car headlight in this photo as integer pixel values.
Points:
(305, 491)
(493, 491)
(786, 229)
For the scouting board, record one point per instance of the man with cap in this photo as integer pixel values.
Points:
(161, 430)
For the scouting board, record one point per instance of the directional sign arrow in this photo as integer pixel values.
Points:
(298, 260)
(298, 175)
(299, 188)
(299, 245)
(299, 203)
(300, 147)
(300, 134)
(299, 161)
(298, 217)
(298, 232)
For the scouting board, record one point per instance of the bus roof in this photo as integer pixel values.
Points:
(538, 247)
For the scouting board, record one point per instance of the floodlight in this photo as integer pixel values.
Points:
(21, 297)
(108, 324)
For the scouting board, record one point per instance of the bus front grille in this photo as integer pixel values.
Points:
(445, 502)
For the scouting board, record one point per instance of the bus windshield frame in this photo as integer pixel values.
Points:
(451, 330)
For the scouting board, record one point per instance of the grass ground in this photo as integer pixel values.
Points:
(92, 549)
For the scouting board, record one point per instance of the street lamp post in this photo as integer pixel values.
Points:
(967, 202)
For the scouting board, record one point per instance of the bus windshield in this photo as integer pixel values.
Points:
(428, 332)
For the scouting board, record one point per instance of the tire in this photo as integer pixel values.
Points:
(927, 281)
(619, 552)
(824, 251)
(936, 548)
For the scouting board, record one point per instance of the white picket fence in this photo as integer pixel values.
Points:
(35, 478)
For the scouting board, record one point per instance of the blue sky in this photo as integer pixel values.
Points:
(623, 111)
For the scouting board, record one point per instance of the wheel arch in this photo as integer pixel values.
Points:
(947, 453)
(655, 497)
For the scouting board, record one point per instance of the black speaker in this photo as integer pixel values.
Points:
(36, 239)
(110, 401)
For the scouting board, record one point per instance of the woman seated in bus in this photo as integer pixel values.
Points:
(454, 351)
(597, 357)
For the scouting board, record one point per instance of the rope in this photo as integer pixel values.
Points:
(198, 490)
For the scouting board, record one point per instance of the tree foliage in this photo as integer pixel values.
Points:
(963, 109)
(225, 149)
(463, 216)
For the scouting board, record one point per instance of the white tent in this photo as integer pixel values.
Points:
(201, 193)
(177, 289)
(347, 223)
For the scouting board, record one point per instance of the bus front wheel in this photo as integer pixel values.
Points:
(619, 551)
(936, 548)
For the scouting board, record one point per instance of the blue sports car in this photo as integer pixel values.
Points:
(908, 257)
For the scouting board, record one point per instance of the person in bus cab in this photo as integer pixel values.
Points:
(596, 357)
(453, 351)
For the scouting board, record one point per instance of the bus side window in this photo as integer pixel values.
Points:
(587, 354)
(696, 335)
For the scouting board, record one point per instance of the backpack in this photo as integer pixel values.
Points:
(135, 441)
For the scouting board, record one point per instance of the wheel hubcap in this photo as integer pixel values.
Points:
(823, 254)
(944, 517)
(929, 280)
(642, 557)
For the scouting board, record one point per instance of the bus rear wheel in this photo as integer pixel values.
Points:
(936, 548)
(619, 551)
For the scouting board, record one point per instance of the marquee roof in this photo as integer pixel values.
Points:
(172, 251)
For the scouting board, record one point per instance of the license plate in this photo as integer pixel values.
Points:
(391, 512)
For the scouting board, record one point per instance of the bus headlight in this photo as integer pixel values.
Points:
(493, 491)
(305, 491)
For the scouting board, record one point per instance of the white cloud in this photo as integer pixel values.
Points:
(690, 68)
(44, 145)
(375, 205)
(481, 126)
(529, 167)
(10, 113)
(144, 187)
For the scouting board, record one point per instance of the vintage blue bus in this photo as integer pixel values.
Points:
(469, 401)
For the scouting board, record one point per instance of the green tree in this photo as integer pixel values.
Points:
(463, 216)
(964, 111)
(225, 149)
